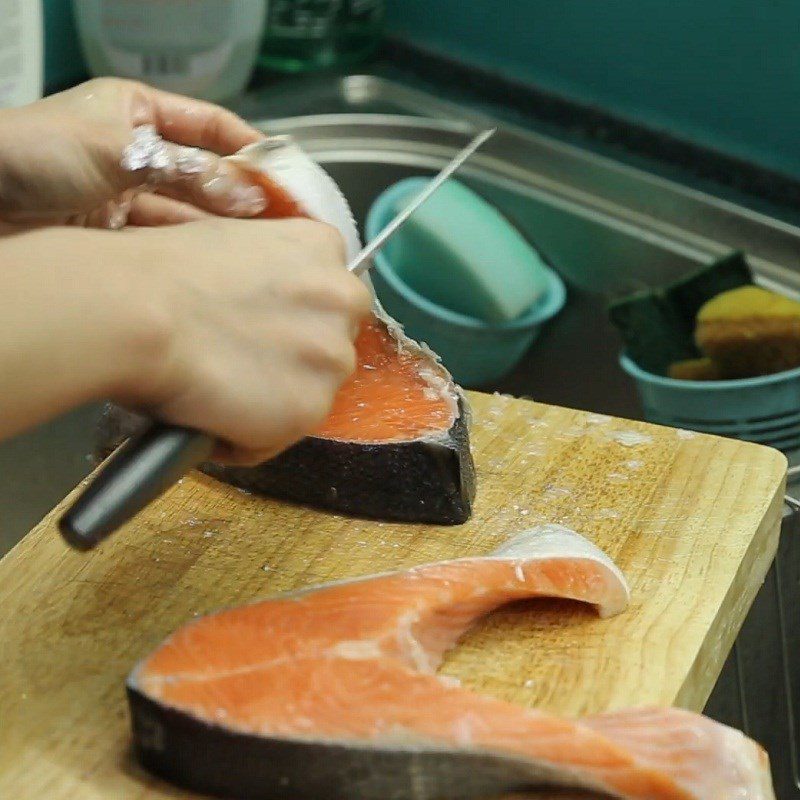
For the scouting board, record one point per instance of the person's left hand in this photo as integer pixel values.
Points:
(68, 159)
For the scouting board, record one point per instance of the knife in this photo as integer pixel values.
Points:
(148, 463)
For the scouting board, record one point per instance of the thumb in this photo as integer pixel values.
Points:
(191, 175)
(212, 184)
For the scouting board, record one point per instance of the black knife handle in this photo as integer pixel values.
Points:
(138, 472)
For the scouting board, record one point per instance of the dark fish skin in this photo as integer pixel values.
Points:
(425, 481)
(224, 763)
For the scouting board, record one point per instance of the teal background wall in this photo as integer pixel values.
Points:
(723, 73)
(63, 62)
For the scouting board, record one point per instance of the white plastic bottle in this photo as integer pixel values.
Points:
(21, 52)
(202, 48)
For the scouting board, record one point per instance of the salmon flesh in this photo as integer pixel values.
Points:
(333, 693)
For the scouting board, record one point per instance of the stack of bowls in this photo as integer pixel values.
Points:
(764, 409)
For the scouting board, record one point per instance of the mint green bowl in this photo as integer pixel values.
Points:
(475, 352)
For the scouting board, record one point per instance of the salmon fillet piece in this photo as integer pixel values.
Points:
(395, 445)
(332, 693)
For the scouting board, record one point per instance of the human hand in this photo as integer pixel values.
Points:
(62, 159)
(260, 321)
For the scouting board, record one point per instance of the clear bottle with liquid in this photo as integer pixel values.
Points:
(21, 52)
(202, 48)
(306, 35)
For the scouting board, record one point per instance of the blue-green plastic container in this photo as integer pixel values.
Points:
(475, 352)
(765, 410)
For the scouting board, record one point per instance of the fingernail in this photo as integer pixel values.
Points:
(117, 218)
(218, 185)
(117, 211)
(237, 196)
(248, 200)
(192, 160)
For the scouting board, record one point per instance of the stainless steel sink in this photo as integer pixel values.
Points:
(606, 227)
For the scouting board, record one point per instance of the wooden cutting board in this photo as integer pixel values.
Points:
(692, 521)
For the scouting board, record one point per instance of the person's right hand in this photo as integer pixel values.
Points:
(243, 329)
(259, 321)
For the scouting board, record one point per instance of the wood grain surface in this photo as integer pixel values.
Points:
(692, 521)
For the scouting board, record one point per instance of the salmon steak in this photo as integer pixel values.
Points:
(396, 443)
(333, 693)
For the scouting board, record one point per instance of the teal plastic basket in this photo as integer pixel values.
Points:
(475, 352)
(765, 410)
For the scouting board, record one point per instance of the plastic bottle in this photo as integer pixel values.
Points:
(304, 35)
(21, 52)
(203, 48)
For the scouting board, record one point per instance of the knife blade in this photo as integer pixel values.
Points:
(150, 462)
(363, 261)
